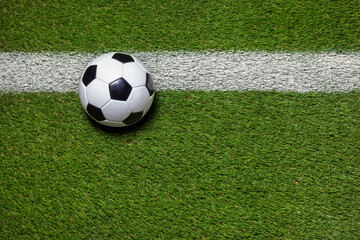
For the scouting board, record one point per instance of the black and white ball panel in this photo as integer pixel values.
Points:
(109, 70)
(97, 93)
(123, 58)
(120, 89)
(89, 74)
(95, 112)
(149, 84)
(134, 74)
(138, 99)
(122, 112)
(133, 118)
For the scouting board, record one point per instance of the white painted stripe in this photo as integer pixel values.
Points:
(301, 72)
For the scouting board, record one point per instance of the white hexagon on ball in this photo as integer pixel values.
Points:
(138, 99)
(97, 93)
(109, 70)
(134, 74)
(116, 111)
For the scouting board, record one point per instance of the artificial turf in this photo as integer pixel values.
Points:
(251, 25)
(209, 165)
(201, 165)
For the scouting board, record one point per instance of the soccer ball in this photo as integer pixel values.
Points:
(116, 89)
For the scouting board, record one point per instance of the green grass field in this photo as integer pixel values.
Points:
(202, 164)
(102, 25)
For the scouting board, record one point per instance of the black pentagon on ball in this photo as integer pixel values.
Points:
(120, 89)
(89, 75)
(124, 58)
(133, 118)
(95, 112)
(149, 84)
